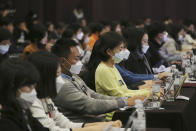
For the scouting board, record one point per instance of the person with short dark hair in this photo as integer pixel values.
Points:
(68, 34)
(116, 26)
(5, 43)
(7, 23)
(190, 27)
(156, 40)
(60, 28)
(50, 27)
(167, 20)
(108, 80)
(4, 10)
(17, 92)
(139, 23)
(138, 45)
(147, 21)
(106, 26)
(78, 37)
(75, 99)
(52, 38)
(20, 32)
(31, 19)
(38, 37)
(176, 39)
(43, 108)
(96, 31)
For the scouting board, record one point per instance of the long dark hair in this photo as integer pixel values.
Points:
(89, 75)
(134, 36)
(47, 64)
(15, 74)
(108, 40)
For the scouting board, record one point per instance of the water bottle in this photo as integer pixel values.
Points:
(139, 123)
(156, 93)
(170, 90)
(188, 69)
(173, 67)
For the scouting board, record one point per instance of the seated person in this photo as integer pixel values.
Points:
(5, 43)
(17, 93)
(156, 38)
(108, 80)
(44, 109)
(132, 80)
(75, 99)
(38, 37)
(175, 40)
(169, 57)
(137, 43)
(96, 31)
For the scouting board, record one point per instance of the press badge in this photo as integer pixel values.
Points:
(121, 82)
(50, 107)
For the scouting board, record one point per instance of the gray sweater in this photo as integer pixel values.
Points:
(81, 104)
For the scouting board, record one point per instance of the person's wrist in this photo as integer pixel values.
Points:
(156, 77)
(125, 100)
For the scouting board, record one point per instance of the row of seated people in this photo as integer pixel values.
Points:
(48, 78)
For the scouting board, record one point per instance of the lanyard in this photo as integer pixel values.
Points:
(75, 83)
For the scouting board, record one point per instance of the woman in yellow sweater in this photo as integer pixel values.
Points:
(108, 80)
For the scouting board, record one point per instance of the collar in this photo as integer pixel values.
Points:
(95, 36)
(66, 76)
(140, 54)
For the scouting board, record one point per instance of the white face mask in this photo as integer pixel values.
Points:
(118, 29)
(29, 97)
(118, 57)
(86, 40)
(75, 69)
(165, 37)
(4, 49)
(181, 38)
(145, 48)
(126, 54)
(80, 36)
(59, 83)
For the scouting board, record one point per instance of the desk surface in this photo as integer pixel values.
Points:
(158, 129)
(189, 83)
(178, 115)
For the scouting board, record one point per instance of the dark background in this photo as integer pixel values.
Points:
(95, 10)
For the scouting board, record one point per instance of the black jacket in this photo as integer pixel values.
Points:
(154, 57)
(137, 63)
(3, 57)
(12, 120)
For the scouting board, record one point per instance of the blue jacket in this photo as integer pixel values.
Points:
(131, 78)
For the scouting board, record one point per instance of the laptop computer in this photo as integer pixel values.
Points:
(177, 92)
(178, 89)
